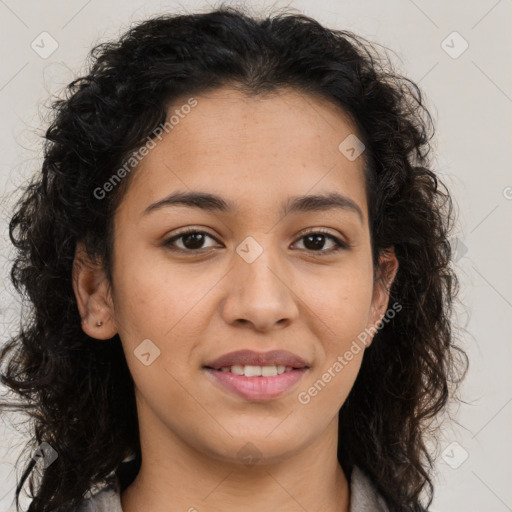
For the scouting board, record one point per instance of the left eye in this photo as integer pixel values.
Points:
(317, 238)
(192, 240)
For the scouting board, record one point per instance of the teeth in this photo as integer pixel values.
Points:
(268, 371)
(252, 371)
(237, 370)
(257, 371)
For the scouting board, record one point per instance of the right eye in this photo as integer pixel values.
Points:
(191, 238)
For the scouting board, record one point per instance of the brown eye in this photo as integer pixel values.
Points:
(315, 241)
(191, 240)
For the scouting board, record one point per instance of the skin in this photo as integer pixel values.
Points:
(257, 152)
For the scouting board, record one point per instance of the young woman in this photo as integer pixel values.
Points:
(238, 260)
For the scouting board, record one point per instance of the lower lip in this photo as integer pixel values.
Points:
(257, 388)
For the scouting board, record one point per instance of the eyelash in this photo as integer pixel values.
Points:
(340, 245)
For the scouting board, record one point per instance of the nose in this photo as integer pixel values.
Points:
(259, 295)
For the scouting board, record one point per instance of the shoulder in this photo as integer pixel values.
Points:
(103, 499)
(363, 495)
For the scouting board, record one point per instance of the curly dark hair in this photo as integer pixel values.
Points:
(80, 393)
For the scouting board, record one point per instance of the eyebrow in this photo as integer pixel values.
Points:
(296, 204)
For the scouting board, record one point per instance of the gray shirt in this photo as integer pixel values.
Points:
(363, 497)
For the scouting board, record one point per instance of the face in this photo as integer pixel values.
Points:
(246, 277)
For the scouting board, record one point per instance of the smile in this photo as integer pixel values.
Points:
(256, 382)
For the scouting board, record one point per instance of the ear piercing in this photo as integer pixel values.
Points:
(99, 323)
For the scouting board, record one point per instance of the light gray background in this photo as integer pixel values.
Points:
(471, 99)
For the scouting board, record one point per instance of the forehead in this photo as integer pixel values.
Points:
(254, 150)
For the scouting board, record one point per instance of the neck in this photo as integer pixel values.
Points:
(177, 477)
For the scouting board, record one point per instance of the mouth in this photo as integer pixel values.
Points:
(257, 387)
(257, 376)
(255, 371)
(277, 358)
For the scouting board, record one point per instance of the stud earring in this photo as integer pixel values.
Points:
(99, 323)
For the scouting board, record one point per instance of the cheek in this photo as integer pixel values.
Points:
(348, 305)
(152, 299)
(168, 307)
(340, 302)
(341, 307)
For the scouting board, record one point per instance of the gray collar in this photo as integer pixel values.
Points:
(363, 495)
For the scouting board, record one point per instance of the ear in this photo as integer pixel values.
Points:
(93, 296)
(384, 277)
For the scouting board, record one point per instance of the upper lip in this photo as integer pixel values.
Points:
(251, 358)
